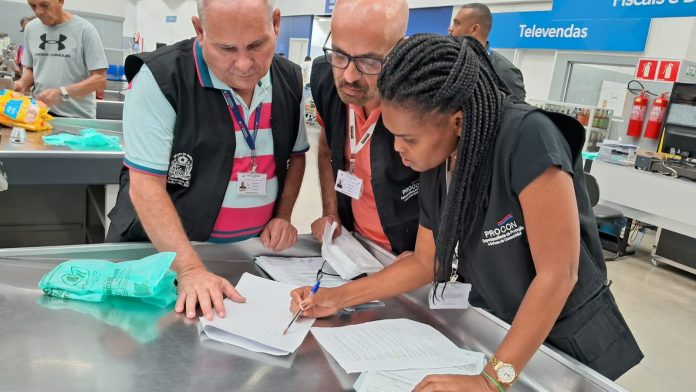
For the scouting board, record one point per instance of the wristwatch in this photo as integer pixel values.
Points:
(64, 93)
(504, 372)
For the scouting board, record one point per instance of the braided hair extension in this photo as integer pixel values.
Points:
(435, 74)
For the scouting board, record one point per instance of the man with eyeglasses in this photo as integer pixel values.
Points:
(365, 185)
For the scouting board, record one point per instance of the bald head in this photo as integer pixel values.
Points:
(365, 28)
(241, 5)
(387, 18)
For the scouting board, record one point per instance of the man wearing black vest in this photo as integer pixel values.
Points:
(215, 142)
(365, 185)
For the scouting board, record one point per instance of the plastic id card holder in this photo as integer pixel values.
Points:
(349, 185)
(252, 184)
(454, 296)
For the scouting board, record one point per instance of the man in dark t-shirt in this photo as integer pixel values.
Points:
(475, 19)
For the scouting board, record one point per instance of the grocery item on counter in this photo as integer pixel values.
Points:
(18, 110)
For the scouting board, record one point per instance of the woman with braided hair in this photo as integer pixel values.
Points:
(503, 207)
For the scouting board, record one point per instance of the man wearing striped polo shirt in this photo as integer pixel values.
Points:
(215, 142)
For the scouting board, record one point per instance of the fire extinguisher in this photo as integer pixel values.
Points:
(638, 110)
(657, 117)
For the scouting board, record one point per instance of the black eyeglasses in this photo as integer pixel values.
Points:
(321, 272)
(365, 64)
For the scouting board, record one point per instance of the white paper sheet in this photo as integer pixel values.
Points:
(299, 271)
(258, 324)
(285, 361)
(406, 380)
(397, 344)
(346, 255)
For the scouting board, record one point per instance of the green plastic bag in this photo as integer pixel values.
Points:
(87, 140)
(148, 279)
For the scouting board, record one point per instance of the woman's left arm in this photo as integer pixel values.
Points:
(553, 229)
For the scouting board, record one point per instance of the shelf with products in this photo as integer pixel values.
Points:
(597, 121)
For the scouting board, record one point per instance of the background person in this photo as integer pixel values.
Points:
(64, 61)
(475, 20)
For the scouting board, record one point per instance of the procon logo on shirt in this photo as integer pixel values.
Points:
(60, 42)
(505, 230)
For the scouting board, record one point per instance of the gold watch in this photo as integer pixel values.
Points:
(504, 372)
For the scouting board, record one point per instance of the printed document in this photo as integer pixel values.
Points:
(299, 271)
(397, 344)
(258, 324)
(346, 255)
(406, 380)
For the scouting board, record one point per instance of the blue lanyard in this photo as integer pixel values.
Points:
(248, 137)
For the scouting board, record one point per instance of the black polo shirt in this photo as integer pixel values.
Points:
(497, 260)
(503, 267)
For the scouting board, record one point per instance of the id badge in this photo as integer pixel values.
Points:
(349, 185)
(252, 184)
(455, 296)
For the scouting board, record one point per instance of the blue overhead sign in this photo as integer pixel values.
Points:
(617, 9)
(330, 4)
(540, 30)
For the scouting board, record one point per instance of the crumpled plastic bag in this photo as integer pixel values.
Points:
(18, 110)
(88, 139)
(148, 279)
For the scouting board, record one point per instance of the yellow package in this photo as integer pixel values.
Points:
(19, 110)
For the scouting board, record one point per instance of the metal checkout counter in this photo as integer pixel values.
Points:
(47, 342)
(57, 195)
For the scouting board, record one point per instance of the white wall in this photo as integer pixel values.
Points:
(130, 24)
(150, 21)
(537, 66)
(301, 7)
(316, 7)
(672, 38)
(101, 7)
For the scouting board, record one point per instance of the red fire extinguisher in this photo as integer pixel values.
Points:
(657, 117)
(640, 107)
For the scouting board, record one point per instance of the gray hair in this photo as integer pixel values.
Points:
(201, 4)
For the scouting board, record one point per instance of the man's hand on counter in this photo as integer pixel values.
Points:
(278, 235)
(319, 225)
(199, 286)
(51, 97)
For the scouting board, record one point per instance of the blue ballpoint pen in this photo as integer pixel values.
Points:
(314, 290)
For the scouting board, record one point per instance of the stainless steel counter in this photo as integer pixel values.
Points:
(49, 344)
(57, 195)
(35, 163)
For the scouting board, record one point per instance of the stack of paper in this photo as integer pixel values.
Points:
(398, 344)
(258, 324)
(299, 271)
(406, 380)
(346, 255)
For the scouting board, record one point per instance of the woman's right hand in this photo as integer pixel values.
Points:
(325, 303)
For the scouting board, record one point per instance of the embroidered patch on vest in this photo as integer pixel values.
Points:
(180, 170)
